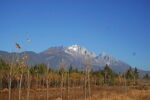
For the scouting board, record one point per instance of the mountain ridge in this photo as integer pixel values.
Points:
(74, 55)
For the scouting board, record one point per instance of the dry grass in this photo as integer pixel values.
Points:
(122, 93)
(98, 93)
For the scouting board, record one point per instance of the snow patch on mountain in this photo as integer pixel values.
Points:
(105, 58)
(78, 50)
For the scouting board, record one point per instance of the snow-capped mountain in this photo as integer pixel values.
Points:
(73, 55)
(76, 50)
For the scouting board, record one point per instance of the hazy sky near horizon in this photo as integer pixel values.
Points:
(120, 28)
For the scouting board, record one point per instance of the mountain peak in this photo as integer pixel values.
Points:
(104, 54)
(79, 50)
(105, 58)
(74, 47)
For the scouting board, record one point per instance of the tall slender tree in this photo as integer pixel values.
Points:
(62, 72)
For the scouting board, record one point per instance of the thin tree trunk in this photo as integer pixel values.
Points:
(37, 83)
(62, 86)
(85, 82)
(125, 84)
(10, 75)
(47, 85)
(28, 85)
(43, 87)
(20, 84)
(68, 87)
(9, 97)
(89, 85)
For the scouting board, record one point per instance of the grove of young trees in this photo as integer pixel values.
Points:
(39, 74)
(21, 76)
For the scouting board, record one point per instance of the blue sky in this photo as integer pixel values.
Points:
(117, 27)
